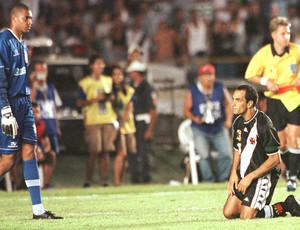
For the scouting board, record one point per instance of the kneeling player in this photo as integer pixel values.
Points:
(255, 170)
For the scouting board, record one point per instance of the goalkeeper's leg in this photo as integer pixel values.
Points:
(32, 179)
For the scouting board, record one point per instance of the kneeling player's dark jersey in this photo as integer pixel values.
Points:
(254, 140)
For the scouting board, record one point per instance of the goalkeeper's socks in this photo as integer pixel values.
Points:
(32, 181)
(274, 210)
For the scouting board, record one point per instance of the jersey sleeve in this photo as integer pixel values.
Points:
(3, 83)
(270, 139)
(236, 135)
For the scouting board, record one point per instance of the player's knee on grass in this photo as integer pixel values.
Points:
(231, 208)
(230, 214)
(247, 214)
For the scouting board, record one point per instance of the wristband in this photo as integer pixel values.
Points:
(263, 81)
(5, 110)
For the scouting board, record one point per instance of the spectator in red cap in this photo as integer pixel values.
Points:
(207, 69)
(208, 105)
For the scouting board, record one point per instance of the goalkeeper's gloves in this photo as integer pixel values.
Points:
(8, 121)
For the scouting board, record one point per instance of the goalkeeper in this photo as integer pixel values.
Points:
(17, 121)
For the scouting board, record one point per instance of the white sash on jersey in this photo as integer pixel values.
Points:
(248, 150)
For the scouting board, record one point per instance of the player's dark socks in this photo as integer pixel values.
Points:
(293, 163)
(275, 210)
(285, 158)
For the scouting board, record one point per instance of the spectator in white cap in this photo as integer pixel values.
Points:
(144, 103)
(136, 66)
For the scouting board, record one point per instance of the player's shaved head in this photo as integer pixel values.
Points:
(16, 9)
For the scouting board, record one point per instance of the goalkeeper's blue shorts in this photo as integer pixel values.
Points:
(22, 111)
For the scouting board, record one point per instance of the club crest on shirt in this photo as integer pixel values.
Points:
(239, 135)
(294, 68)
(252, 140)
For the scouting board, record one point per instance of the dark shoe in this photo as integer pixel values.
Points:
(48, 186)
(104, 184)
(292, 205)
(86, 185)
(47, 215)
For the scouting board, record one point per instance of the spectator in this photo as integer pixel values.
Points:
(126, 142)
(177, 23)
(45, 155)
(237, 25)
(197, 36)
(205, 9)
(294, 18)
(223, 39)
(102, 33)
(144, 102)
(41, 29)
(121, 10)
(254, 28)
(208, 104)
(135, 35)
(94, 97)
(118, 40)
(80, 16)
(273, 66)
(164, 40)
(223, 45)
(135, 53)
(46, 95)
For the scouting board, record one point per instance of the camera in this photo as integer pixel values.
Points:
(40, 76)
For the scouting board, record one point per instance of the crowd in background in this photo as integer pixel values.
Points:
(164, 29)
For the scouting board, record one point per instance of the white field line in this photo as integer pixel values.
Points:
(108, 196)
(186, 209)
(94, 214)
(178, 210)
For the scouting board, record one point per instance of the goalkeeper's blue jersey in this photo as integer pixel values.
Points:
(13, 67)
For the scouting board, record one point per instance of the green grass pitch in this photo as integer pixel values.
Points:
(157, 206)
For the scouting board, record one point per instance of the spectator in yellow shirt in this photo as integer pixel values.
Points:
(123, 105)
(100, 120)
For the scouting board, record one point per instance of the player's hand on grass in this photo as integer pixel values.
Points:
(8, 122)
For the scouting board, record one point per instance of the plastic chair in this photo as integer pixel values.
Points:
(185, 136)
